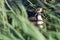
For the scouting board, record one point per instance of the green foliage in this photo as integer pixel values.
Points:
(21, 28)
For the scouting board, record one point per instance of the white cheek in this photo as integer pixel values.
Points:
(40, 10)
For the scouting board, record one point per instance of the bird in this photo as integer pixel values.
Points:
(35, 17)
(39, 17)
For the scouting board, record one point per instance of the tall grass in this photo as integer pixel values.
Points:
(20, 27)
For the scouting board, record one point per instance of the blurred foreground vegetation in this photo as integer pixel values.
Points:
(19, 28)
